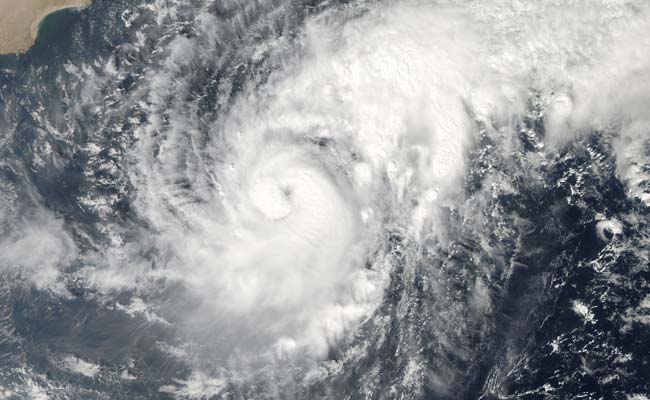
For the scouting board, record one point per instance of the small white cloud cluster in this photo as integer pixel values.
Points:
(79, 366)
(37, 249)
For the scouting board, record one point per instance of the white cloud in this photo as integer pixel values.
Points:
(271, 232)
(37, 248)
(79, 366)
(198, 386)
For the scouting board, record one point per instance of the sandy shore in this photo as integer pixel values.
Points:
(20, 19)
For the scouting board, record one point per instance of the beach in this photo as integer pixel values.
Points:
(19, 21)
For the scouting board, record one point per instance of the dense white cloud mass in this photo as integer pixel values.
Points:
(38, 250)
(274, 216)
(271, 217)
(300, 179)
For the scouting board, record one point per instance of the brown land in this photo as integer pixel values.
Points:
(20, 19)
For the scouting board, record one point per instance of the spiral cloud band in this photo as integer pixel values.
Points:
(275, 215)
(295, 189)
(265, 186)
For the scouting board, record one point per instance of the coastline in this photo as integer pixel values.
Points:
(19, 25)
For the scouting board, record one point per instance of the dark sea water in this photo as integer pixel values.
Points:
(240, 200)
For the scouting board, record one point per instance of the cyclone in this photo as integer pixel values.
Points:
(327, 199)
(279, 241)
(278, 223)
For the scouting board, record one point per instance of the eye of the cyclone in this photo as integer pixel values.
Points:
(271, 197)
(293, 225)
